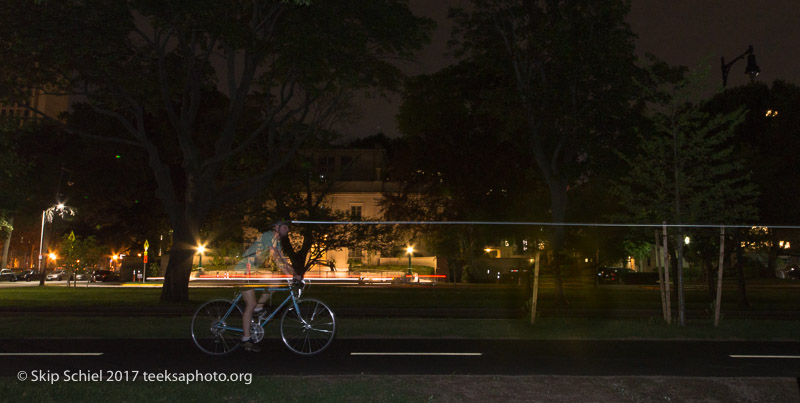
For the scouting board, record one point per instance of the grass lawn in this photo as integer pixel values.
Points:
(415, 388)
(62, 312)
(583, 297)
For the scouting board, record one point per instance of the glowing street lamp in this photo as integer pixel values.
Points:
(200, 250)
(409, 251)
(47, 216)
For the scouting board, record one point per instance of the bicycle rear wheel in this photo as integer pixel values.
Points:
(210, 327)
(309, 330)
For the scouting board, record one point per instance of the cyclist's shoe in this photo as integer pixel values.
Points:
(250, 346)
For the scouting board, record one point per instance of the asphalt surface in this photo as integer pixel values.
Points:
(416, 356)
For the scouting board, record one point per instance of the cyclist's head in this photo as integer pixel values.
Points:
(281, 227)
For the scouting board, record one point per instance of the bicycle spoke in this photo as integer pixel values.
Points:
(309, 329)
(211, 327)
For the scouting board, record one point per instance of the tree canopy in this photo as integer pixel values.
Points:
(218, 96)
(567, 67)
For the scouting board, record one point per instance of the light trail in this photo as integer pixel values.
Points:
(417, 354)
(544, 224)
(794, 357)
(51, 354)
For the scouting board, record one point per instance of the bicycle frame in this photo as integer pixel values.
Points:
(291, 297)
(308, 330)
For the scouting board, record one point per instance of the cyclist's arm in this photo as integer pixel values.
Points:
(280, 260)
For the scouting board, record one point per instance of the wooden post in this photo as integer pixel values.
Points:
(719, 274)
(666, 275)
(535, 288)
(660, 278)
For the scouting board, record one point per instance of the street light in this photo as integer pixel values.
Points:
(200, 250)
(409, 251)
(47, 216)
(751, 70)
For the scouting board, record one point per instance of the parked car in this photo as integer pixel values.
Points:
(606, 275)
(787, 266)
(788, 272)
(80, 277)
(620, 275)
(28, 275)
(8, 275)
(58, 275)
(104, 275)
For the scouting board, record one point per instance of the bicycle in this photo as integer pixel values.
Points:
(307, 325)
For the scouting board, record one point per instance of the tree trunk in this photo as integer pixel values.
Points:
(743, 301)
(179, 268)
(772, 257)
(679, 277)
(718, 301)
(535, 295)
(558, 206)
(667, 268)
(710, 279)
(661, 277)
(7, 243)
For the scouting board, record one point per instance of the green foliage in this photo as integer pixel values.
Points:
(223, 251)
(682, 170)
(77, 253)
(639, 250)
(154, 269)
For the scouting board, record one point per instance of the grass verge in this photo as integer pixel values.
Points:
(412, 388)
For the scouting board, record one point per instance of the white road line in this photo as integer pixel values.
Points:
(50, 354)
(796, 357)
(420, 354)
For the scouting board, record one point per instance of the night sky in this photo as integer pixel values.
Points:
(680, 32)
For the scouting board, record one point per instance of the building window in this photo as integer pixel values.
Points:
(355, 212)
(355, 257)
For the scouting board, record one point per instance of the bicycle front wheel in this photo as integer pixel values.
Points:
(211, 327)
(309, 330)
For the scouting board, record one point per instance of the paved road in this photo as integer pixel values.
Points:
(420, 357)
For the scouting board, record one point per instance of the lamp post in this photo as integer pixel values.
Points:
(751, 70)
(47, 216)
(200, 250)
(409, 251)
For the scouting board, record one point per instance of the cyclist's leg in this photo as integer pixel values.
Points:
(262, 300)
(249, 297)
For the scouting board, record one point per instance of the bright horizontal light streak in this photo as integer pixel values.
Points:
(50, 354)
(421, 354)
(796, 357)
(542, 224)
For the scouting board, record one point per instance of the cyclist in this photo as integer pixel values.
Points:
(271, 240)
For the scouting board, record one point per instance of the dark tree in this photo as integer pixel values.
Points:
(286, 71)
(567, 66)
